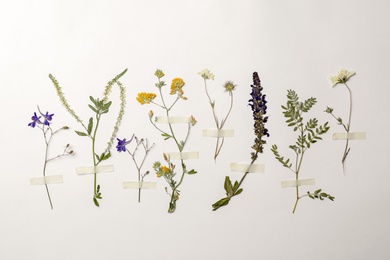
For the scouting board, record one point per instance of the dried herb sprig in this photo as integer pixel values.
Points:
(99, 107)
(144, 143)
(168, 172)
(258, 105)
(229, 87)
(308, 134)
(341, 78)
(48, 134)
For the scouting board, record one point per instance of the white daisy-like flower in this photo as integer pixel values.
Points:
(206, 74)
(342, 77)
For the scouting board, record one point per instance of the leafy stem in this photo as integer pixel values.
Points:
(308, 134)
(169, 172)
(99, 107)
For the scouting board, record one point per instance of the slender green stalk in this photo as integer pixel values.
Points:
(47, 135)
(229, 87)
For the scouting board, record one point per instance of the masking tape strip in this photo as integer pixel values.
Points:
(352, 136)
(173, 119)
(183, 155)
(139, 185)
(53, 179)
(244, 167)
(97, 169)
(296, 183)
(218, 133)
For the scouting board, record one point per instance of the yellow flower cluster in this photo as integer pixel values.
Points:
(176, 87)
(163, 170)
(145, 98)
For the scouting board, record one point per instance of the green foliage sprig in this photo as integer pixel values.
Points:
(168, 172)
(309, 133)
(99, 107)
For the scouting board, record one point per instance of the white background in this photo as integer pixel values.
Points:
(292, 44)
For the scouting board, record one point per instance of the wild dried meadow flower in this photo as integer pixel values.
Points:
(145, 98)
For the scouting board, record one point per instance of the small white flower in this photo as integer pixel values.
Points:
(206, 74)
(342, 77)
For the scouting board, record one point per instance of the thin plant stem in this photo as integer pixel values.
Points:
(297, 169)
(94, 157)
(139, 166)
(47, 141)
(347, 127)
(218, 145)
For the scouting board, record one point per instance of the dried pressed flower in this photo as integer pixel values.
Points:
(229, 86)
(145, 98)
(206, 74)
(342, 77)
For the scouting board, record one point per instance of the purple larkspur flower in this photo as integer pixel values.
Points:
(121, 146)
(35, 120)
(48, 117)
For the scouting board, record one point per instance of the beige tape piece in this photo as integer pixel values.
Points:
(352, 136)
(183, 155)
(296, 183)
(173, 119)
(218, 133)
(92, 170)
(244, 167)
(53, 179)
(139, 185)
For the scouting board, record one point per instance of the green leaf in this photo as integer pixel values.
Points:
(90, 125)
(228, 186)
(107, 106)
(238, 192)
(93, 109)
(96, 202)
(192, 172)
(220, 203)
(81, 133)
(108, 155)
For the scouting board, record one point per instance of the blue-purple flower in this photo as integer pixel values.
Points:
(35, 120)
(48, 117)
(259, 108)
(121, 146)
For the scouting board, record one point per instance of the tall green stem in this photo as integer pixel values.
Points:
(47, 141)
(94, 157)
(348, 127)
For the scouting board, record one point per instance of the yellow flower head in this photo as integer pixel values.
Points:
(342, 77)
(176, 87)
(145, 98)
(165, 169)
